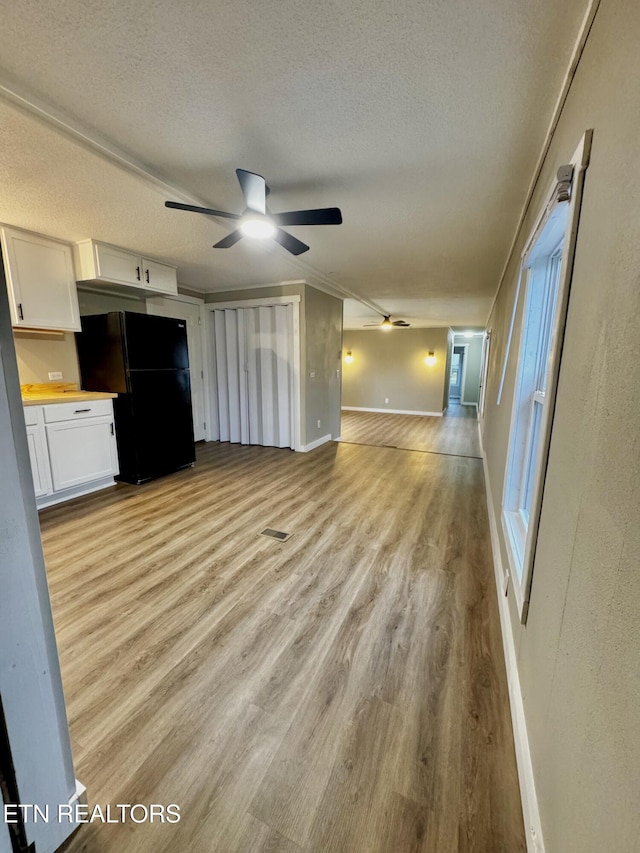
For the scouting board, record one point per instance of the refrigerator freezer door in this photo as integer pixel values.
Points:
(154, 425)
(155, 343)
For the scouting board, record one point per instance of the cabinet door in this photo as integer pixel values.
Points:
(39, 460)
(81, 451)
(41, 280)
(117, 265)
(160, 278)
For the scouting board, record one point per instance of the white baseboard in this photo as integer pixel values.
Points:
(529, 799)
(391, 411)
(74, 492)
(80, 794)
(312, 446)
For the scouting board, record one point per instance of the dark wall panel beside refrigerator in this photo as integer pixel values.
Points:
(145, 360)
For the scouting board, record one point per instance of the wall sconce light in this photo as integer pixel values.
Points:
(348, 357)
(430, 360)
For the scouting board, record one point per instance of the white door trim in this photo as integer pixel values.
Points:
(154, 303)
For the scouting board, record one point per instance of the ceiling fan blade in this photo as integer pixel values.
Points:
(320, 216)
(254, 190)
(290, 243)
(229, 240)
(208, 210)
(400, 323)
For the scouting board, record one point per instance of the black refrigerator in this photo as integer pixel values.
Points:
(144, 359)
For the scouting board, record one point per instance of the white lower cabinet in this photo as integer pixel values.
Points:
(72, 449)
(36, 440)
(81, 451)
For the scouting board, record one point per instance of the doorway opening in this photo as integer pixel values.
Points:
(464, 374)
(457, 376)
(254, 358)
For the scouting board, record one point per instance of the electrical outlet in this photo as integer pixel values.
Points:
(55, 374)
(386, 399)
(312, 374)
(318, 423)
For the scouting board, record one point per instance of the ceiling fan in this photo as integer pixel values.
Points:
(388, 323)
(258, 221)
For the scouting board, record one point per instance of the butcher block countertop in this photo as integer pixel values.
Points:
(59, 392)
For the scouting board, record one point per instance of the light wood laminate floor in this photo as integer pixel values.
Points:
(456, 433)
(343, 691)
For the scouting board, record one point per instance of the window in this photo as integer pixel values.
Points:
(546, 271)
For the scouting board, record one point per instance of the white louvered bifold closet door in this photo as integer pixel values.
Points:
(254, 371)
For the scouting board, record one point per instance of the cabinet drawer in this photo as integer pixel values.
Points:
(74, 411)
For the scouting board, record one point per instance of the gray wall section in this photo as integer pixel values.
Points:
(447, 370)
(579, 653)
(30, 682)
(471, 390)
(323, 336)
(91, 302)
(287, 289)
(392, 364)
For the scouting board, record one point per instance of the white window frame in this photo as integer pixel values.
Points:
(554, 232)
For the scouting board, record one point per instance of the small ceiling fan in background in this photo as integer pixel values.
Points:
(388, 323)
(257, 220)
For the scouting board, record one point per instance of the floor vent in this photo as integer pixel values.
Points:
(276, 534)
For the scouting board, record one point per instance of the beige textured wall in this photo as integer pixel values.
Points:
(391, 364)
(38, 354)
(579, 653)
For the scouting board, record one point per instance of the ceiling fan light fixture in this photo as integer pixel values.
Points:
(386, 324)
(258, 227)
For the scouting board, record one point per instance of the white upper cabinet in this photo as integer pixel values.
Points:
(100, 263)
(40, 280)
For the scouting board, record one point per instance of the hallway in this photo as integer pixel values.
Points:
(341, 691)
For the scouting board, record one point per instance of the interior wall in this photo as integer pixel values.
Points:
(92, 302)
(447, 370)
(30, 680)
(323, 344)
(391, 365)
(577, 656)
(38, 354)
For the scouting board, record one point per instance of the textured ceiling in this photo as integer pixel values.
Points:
(421, 119)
